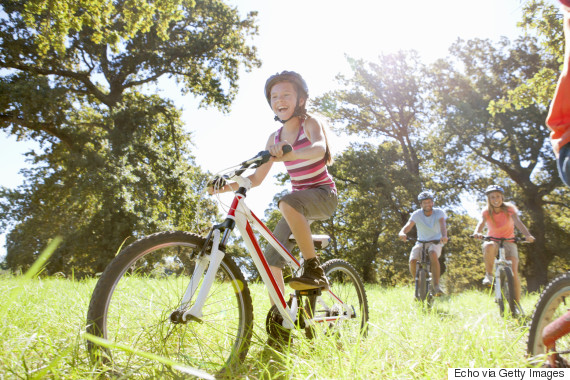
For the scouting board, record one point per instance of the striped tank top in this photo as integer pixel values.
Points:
(306, 174)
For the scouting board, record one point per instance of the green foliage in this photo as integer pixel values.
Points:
(115, 163)
(511, 147)
(463, 255)
(543, 22)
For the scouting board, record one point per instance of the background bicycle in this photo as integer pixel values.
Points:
(503, 281)
(183, 290)
(423, 280)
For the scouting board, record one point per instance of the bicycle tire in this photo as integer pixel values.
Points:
(552, 303)
(347, 285)
(505, 293)
(421, 285)
(136, 294)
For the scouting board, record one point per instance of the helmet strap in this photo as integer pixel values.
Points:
(296, 113)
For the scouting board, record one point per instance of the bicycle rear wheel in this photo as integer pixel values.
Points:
(136, 294)
(346, 297)
(505, 293)
(553, 303)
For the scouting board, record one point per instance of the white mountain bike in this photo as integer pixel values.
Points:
(178, 295)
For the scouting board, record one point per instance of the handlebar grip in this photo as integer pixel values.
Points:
(287, 148)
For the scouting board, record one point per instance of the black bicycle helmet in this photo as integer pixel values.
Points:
(492, 188)
(298, 82)
(425, 195)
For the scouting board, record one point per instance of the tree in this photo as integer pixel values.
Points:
(116, 162)
(510, 146)
(386, 102)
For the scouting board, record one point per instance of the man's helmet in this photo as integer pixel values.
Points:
(287, 76)
(425, 195)
(492, 188)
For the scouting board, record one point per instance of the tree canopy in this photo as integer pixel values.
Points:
(115, 160)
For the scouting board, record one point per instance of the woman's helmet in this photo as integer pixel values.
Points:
(492, 188)
(425, 195)
(298, 82)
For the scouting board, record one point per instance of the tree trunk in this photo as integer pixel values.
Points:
(536, 267)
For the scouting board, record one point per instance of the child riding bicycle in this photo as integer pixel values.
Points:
(313, 195)
(430, 224)
(500, 218)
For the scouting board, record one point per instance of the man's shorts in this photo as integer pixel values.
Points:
(416, 253)
(510, 248)
(315, 204)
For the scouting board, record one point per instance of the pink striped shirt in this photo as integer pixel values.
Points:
(306, 174)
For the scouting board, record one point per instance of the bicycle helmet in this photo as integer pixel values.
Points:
(492, 188)
(298, 82)
(425, 195)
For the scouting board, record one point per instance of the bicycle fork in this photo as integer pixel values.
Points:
(214, 259)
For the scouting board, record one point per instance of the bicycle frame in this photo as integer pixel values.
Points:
(500, 261)
(240, 216)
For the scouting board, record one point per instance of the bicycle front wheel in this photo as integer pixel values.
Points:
(346, 299)
(133, 301)
(421, 285)
(505, 293)
(552, 304)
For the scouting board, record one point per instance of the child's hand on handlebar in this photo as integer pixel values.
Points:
(277, 151)
(402, 236)
(530, 238)
(477, 235)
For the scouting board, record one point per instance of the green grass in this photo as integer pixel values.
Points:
(41, 335)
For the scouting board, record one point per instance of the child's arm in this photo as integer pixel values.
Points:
(317, 149)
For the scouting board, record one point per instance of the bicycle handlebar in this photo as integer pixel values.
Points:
(515, 239)
(425, 241)
(254, 162)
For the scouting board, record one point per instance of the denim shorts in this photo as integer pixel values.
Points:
(564, 164)
(318, 203)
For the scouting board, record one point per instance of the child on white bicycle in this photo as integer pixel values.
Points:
(500, 218)
(313, 195)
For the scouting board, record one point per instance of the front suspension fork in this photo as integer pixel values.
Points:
(214, 259)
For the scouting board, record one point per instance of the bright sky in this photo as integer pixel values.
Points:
(312, 37)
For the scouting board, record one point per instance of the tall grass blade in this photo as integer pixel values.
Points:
(172, 364)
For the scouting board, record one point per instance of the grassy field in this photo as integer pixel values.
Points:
(43, 320)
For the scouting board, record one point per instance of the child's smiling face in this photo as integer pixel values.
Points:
(284, 99)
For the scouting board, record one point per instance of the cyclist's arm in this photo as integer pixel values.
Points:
(478, 233)
(443, 228)
(402, 235)
(317, 149)
(522, 228)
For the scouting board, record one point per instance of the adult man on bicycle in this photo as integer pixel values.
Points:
(430, 225)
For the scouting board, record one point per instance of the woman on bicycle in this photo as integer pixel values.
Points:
(501, 219)
(313, 195)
